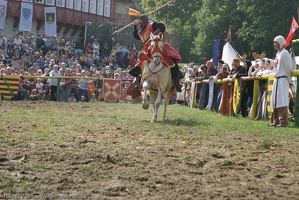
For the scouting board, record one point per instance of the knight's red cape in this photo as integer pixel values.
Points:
(168, 52)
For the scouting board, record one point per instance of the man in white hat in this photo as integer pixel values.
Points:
(282, 72)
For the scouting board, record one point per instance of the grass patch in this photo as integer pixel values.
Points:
(101, 147)
(266, 144)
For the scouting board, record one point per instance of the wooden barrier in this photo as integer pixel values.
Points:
(296, 73)
(231, 98)
(237, 95)
(9, 86)
(211, 95)
(192, 95)
(227, 96)
(269, 90)
(224, 104)
(202, 102)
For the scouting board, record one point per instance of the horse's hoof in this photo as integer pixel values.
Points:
(145, 105)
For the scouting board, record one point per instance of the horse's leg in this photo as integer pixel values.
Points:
(146, 86)
(156, 106)
(165, 107)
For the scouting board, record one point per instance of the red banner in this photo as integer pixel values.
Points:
(111, 89)
(294, 27)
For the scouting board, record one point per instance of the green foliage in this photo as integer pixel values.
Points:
(263, 21)
(177, 16)
(253, 23)
(265, 144)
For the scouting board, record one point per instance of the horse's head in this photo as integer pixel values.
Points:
(156, 47)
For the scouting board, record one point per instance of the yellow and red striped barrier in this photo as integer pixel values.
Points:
(9, 86)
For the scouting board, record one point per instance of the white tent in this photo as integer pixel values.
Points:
(229, 53)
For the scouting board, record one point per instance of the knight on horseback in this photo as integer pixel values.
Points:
(170, 54)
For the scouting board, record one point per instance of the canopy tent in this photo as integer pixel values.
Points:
(229, 53)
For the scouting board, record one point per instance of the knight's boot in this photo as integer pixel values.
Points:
(136, 84)
(177, 85)
(175, 72)
(135, 72)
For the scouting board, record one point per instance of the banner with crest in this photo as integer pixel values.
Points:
(111, 89)
(26, 17)
(3, 8)
(50, 21)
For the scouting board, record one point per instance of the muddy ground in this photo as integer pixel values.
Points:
(108, 157)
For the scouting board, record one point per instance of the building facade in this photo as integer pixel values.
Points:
(71, 15)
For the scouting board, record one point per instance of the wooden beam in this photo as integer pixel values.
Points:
(39, 24)
(82, 32)
(75, 30)
(59, 28)
(16, 21)
(66, 29)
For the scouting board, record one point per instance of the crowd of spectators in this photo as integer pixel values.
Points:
(45, 56)
(238, 68)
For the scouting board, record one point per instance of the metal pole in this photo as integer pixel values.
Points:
(58, 89)
(87, 23)
(297, 105)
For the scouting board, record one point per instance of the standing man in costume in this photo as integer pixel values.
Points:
(282, 73)
(146, 28)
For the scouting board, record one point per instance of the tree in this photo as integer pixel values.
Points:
(254, 24)
(176, 17)
(213, 21)
(264, 21)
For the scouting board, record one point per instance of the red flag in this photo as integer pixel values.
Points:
(294, 27)
(229, 35)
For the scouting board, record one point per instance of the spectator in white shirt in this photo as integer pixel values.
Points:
(53, 82)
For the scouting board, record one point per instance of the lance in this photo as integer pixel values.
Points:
(153, 11)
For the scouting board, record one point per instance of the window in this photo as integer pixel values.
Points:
(107, 8)
(100, 7)
(85, 5)
(69, 4)
(39, 1)
(77, 5)
(60, 3)
(50, 2)
(93, 6)
(27, 0)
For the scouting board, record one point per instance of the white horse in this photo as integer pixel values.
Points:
(156, 77)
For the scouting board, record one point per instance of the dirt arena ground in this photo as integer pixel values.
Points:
(109, 156)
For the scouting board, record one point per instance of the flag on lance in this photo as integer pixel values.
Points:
(111, 89)
(293, 29)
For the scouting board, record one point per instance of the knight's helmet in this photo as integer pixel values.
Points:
(144, 18)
